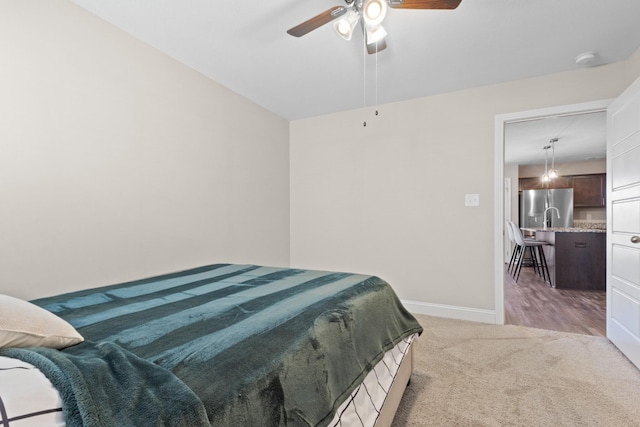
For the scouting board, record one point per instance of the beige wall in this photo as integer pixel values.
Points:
(389, 198)
(117, 162)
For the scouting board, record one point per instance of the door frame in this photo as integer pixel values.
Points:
(501, 121)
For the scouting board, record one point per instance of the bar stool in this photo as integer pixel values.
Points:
(514, 229)
(519, 255)
(535, 250)
(512, 261)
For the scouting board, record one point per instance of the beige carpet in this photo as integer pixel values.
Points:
(474, 374)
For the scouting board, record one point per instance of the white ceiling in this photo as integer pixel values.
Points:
(244, 46)
(580, 137)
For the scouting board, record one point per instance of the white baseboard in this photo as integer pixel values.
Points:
(451, 312)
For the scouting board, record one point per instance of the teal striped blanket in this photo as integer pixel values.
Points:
(229, 345)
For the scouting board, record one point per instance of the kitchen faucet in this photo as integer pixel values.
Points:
(544, 219)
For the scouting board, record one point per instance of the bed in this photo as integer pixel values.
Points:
(221, 345)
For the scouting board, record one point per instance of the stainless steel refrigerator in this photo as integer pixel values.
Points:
(533, 204)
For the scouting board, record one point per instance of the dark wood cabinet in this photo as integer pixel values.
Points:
(576, 260)
(589, 191)
(537, 184)
(581, 260)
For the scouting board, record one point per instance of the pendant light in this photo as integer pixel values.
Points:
(553, 172)
(545, 176)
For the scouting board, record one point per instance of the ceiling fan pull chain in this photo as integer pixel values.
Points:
(364, 76)
(376, 79)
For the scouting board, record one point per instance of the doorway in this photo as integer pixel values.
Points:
(501, 123)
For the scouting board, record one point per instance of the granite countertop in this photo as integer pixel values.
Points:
(567, 230)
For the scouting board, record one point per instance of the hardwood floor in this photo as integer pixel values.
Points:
(532, 302)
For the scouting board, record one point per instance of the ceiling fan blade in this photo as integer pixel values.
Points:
(424, 4)
(381, 45)
(317, 21)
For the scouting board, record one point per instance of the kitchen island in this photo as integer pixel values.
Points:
(576, 257)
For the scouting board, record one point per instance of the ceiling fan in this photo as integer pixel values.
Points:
(370, 14)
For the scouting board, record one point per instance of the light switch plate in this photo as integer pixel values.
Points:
(472, 200)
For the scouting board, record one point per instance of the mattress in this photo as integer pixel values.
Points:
(365, 405)
(28, 399)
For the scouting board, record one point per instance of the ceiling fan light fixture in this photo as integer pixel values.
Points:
(375, 34)
(374, 11)
(345, 25)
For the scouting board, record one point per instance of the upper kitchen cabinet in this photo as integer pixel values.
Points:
(537, 184)
(589, 191)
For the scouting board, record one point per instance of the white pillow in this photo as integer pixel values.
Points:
(23, 324)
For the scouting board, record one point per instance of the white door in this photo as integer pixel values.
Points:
(623, 223)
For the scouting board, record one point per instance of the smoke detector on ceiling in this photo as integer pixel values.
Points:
(587, 59)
